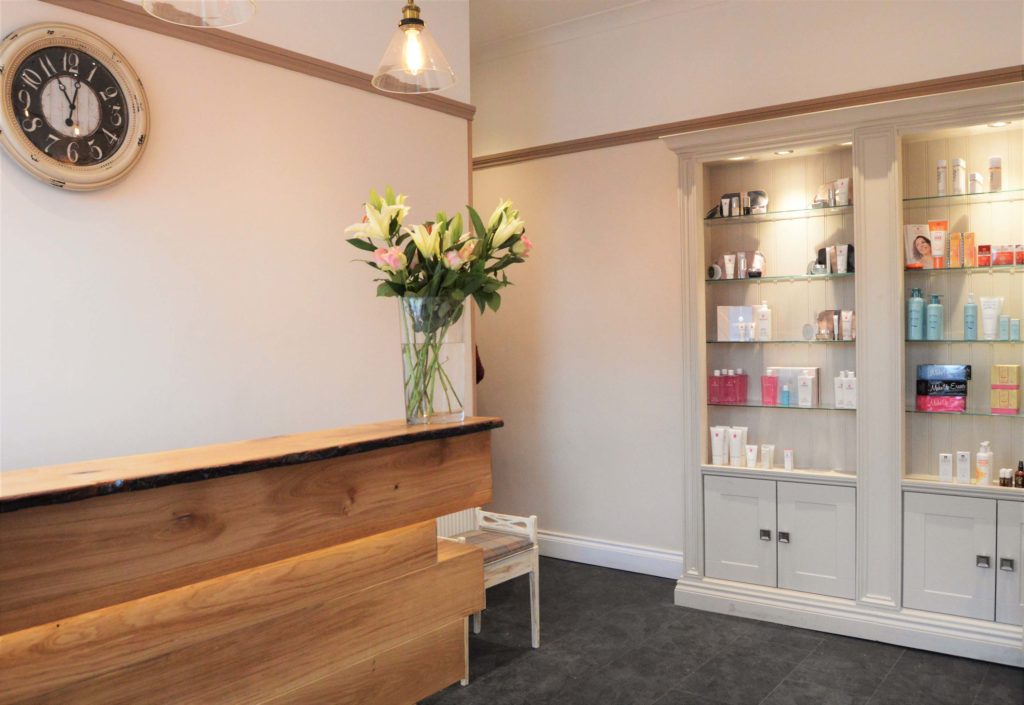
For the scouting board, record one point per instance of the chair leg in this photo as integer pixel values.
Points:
(465, 647)
(535, 604)
(477, 619)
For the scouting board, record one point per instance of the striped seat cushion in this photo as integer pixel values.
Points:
(495, 544)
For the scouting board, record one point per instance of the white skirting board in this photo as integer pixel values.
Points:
(972, 638)
(610, 554)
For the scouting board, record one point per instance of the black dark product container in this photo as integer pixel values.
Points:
(1018, 477)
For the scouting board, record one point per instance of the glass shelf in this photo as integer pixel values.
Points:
(784, 278)
(759, 405)
(782, 342)
(967, 198)
(999, 268)
(779, 215)
(912, 410)
(970, 342)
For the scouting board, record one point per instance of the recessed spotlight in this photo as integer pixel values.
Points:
(784, 151)
(999, 123)
(736, 159)
(845, 144)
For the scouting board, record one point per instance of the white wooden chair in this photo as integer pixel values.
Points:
(510, 550)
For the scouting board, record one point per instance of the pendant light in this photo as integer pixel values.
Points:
(202, 13)
(413, 62)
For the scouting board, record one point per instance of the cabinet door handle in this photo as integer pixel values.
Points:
(983, 562)
(766, 535)
(783, 537)
(1006, 564)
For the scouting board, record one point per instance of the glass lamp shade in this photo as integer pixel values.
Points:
(202, 13)
(413, 63)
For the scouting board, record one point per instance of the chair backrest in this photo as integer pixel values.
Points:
(507, 523)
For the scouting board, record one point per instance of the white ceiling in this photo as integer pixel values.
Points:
(493, 20)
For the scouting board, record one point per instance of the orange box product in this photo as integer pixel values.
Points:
(937, 232)
(984, 255)
(1005, 401)
(970, 251)
(1006, 376)
(956, 250)
(1020, 254)
(1002, 255)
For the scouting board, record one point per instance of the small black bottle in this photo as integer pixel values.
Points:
(1018, 477)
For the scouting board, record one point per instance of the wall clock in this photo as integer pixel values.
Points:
(74, 113)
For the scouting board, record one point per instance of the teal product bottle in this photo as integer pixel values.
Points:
(915, 315)
(970, 319)
(934, 328)
(784, 396)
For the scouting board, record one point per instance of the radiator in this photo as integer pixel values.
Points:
(456, 523)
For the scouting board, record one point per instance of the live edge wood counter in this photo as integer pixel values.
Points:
(299, 569)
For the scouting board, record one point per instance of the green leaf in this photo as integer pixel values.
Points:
(458, 294)
(389, 196)
(494, 301)
(450, 278)
(375, 199)
(456, 227)
(386, 289)
(481, 301)
(478, 225)
(362, 244)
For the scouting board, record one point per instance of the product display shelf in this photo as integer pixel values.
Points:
(834, 477)
(962, 341)
(759, 405)
(800, 214)
(965, 199)
(782, 278)
(931, 483)
(800, 341)
(996, 269)
(969, 412)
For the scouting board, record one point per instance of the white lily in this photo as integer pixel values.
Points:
(426, 241)
(375, 225)
(396, 211)
(498, 212)
(507, 228)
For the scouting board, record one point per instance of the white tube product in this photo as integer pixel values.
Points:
(963, 468)
(850, 390)
(990, 308)
(763, 319)
(730, 266)
(741, 265)
(946, 467)
(842, 256)
(736, 446)
(846, 321)
(940, 178)
(787, 458)
(805, 391)
(718, 445)
(768, 456)
(959, 177)
(751, 455)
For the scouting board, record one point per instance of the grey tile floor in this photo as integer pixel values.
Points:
(614, 638)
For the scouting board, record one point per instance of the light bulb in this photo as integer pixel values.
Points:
(412, 53)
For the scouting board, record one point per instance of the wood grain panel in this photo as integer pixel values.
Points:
(980, 79)
(135, 16)
(402, 675)
(96, 642)
(106, 550)
(271, 658)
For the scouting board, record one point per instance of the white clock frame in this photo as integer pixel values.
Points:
(21, 43)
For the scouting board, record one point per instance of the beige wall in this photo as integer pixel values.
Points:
(583, 359)
(210, 295)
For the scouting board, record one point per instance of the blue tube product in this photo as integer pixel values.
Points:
(934, 320)
(970, 319)
(915, 315)
(1004, 327)
(1014, 329)
(784, 396)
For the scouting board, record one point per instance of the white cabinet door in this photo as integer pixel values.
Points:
(817, 538)
(947, 542)
(1009, 556)
(739, 529)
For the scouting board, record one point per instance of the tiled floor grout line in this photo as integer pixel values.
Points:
(792, 670)
(883, 679)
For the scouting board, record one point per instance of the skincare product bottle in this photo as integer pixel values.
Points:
(787, 458)
(784, 396)
(963, 465)
(840, 396)
(959, 177)
(715, 387)
(729, 391)
(1014, 329)
(940, 178)
(970, 319)
(850, 390)
(741, 265)
(751, 455)
(945, 467)
(934, 320)
(990, 308)
(1018, 477)
(995, 173)
(977, 185)
(915, 315)
(741, 387)
(770, 389)
(983, 465)
(741, 328)
(736, 446)
(730, 265)
(719, 445)
(768, 456)
(1004, 327)
(1005, 477)
(804, 390)
(763, 317)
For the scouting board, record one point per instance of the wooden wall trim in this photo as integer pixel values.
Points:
(980, 79)
(134, 16)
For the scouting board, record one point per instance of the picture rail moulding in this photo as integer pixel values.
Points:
(135, 16)
(949, 84)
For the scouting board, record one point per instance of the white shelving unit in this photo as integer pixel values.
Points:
(854, 466)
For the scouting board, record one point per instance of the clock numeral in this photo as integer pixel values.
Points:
(72, 152)
(54, 139)
(111, 137)
(31, 79)
(95, 151)
(71, 60)
(47, 65)
(115, 116)
(31, 124)
(26, 100)
(108, 93)
(91, 73)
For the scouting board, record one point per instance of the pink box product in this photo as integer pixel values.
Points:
(941, 404)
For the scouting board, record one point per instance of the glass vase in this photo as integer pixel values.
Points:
(433, 359)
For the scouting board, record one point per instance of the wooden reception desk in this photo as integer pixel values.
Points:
(295, 569)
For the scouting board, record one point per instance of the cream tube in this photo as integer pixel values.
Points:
(751, 456)
(990, 307)
(842, 252)
(787, 458)
(718, 448)
(736, 446)
(741, 265)
(730, 266)
(768, 456)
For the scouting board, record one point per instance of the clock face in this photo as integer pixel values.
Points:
(69, 105)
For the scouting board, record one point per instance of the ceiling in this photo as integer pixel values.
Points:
(491, 20)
